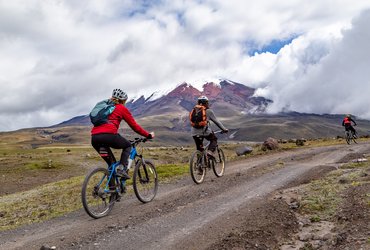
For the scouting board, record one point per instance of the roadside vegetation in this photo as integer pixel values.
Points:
(335, 209)
(45, 182)
(322, 198)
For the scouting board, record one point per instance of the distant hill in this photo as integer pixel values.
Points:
(234, 104)
(256, 127)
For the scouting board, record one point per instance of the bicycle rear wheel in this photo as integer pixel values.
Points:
(145, 180)
(97, 199)
(197, 169)
(348, 138)
(218, 164)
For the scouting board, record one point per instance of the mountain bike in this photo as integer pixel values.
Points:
(200, 162)
(102, 187)
(350, 136)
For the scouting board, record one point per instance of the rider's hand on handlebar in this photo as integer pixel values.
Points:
(225, 131)
(151, 135)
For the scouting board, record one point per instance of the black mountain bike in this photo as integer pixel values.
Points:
(200, 162)
(350, 136)
(102, 187)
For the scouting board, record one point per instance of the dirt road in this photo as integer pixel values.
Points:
(189, 216)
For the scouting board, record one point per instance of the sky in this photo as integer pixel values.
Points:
(58, 58)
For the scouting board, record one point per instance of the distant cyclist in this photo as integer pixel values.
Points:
(200, 125)
(347, 123)
(105, 136)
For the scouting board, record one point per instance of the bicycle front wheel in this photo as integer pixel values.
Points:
(197, 169)
(218, 163)
(145, 180)
(97, 199)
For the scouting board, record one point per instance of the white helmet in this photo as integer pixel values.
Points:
(119, 94)
(203, 100)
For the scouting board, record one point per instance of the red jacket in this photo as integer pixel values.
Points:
(120, 113)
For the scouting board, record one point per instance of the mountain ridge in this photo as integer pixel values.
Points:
(235, 105)
(227, 97)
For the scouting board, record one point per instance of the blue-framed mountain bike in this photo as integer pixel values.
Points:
(102, 187)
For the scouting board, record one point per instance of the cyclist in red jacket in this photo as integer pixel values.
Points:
(347, 123)
(105, 136)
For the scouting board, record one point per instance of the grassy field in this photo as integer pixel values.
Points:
(45, 182)
(321, 198)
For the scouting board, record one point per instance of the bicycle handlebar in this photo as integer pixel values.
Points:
(219, 131)
(138, 140)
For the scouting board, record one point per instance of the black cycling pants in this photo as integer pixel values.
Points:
(103, 142)
(198, 139)
(349, 127)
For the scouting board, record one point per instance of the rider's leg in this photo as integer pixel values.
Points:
(353, 131)
(107, 154)
(198, 142)
(213, 142)
(118, 142)
(99, 144)
(346, 128)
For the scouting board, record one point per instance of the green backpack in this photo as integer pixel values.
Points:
(99, 114)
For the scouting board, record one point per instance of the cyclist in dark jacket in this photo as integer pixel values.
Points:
(105, 136)
(347, 123)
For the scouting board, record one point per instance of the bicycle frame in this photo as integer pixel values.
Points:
(112, 172)
(112, 167)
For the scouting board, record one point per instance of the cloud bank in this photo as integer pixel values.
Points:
(57, 58)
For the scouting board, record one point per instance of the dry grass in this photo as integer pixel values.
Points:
(321, 197)
(41, 203)
(59, 171)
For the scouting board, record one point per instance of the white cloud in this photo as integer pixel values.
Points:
(328, 75)
(58, 58)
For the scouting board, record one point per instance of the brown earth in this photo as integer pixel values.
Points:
(17, 176)
(245, 209)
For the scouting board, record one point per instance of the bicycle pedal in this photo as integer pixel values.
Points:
(118, 197)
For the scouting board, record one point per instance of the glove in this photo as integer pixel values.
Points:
(225, 131)
(150, 135)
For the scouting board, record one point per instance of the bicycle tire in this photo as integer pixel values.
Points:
(96, 201)
(348, 139)
(145, 180)
(197, 163)
(218, 163)
(354, 139)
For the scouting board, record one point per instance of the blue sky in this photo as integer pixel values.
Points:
(57, 58)
(273, 47)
